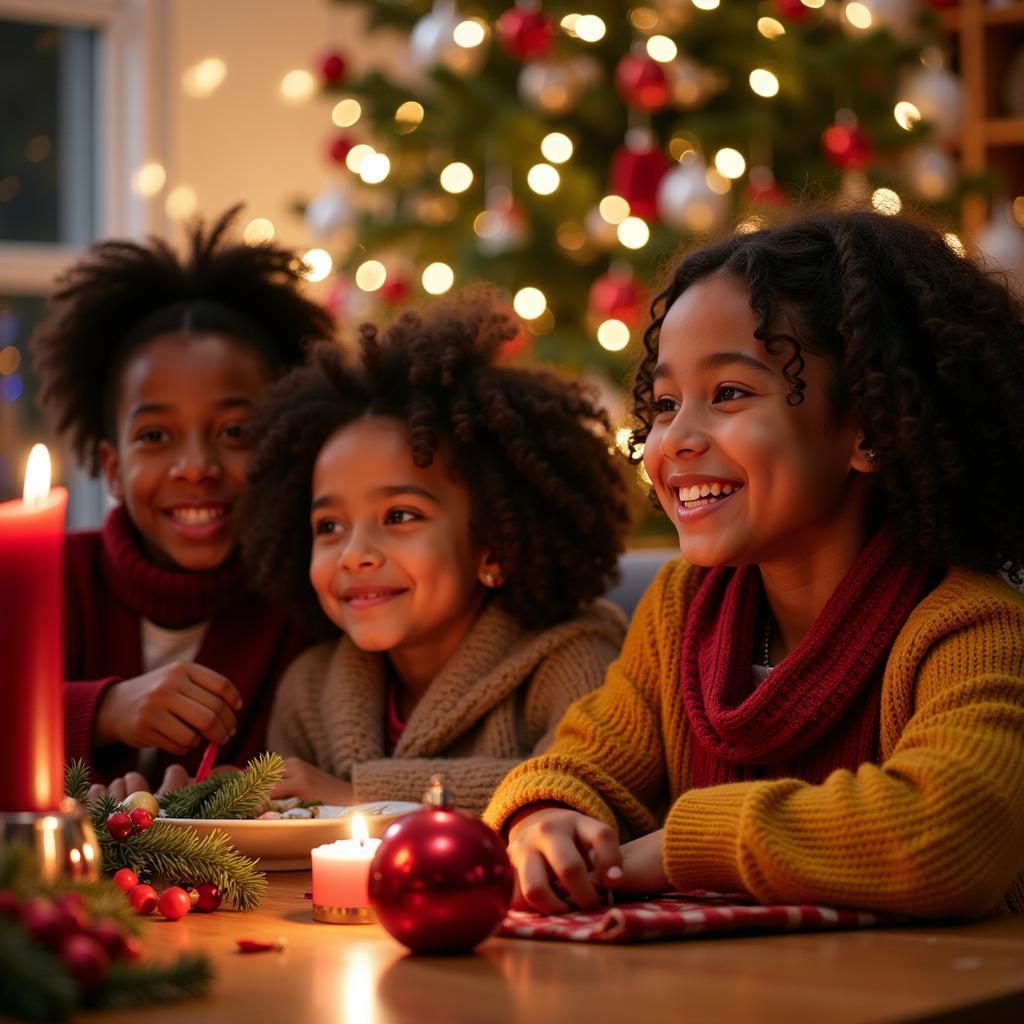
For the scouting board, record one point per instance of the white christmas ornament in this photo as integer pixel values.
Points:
(931, 173)
(686, 200)
(552, 87)
(1001, 242)
(432, 42)
(329, 212)
(939, 96)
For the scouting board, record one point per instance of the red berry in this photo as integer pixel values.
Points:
(119, 825)
(141, 819)
(126, 879)
(43, 920)
(332, 67)
(143, 898)
(74, 917)
(174, 903)
(87, 960)
(209, 898)
(8, 903)
(131, 948)
(338, 148)
(107, 932)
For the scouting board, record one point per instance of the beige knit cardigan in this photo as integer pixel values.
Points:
(496, 702)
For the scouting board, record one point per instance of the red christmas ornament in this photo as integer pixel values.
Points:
(143, 898)
(793, 10)
(642, 82)
(846, 146)
(635, 174)
(119, 825)
(525, 33)
(174, 903)
(395, 290)
(209, 898)
(440, 881)
(141, 819)
(338, 148)
(762, 189)
(332, 67)
(617, 296)
(126, 879)
(86, 959)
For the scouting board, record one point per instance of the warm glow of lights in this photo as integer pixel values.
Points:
(613, 209)
(37, 476)
(10, 360)
(181, 202)
(529, 303)
(204, 78)
(643, 476)
(346, 113)
(764, 82)
(356, 155)
(543, 179)
(360, 833)
(622, 436)
(374, 168)
(705, 5)
(408, 117)
(730, 163)
(770, 28)
(1018, 216)
(590, 28)
(716, 181)
(149, 179)
(906, 114)
(371, 275)
(469, 33)
(662, 49)
(644, 18)
(438, 278)
(571, 236)
(813, 4)
(568, 23)
(750, 224)
(317, 264)
(634, 233)
(297, 86)
(885, 200)
(858, 15)
(613, 335)
(556, 147)
(953, 241)
(679, 146)
(258, 231)
(456, 177)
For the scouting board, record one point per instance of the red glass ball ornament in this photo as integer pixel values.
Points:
(338, 148)
(440, 881)
(635, 174)
(143, 898)
(525, 33)
(395, 290)
(119, 825)
(846, 146)
(617, 296)
(126, 879)
(332, 67)
(141, 819)
(642, 82)
(174, 903)
(86, 959)
(210, 898)
(793, 10)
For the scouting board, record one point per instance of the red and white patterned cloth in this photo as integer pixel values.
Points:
(685, 915)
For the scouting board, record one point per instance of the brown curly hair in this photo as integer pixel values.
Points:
(121, 293)
(534, 449)
(927, 350)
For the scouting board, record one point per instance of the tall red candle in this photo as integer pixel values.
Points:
(32, 643)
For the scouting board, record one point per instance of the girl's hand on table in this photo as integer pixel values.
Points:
(578, 853)
(174, 708)
(643, 870)
(133, 782)
(302, 780)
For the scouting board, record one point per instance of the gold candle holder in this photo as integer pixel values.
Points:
(63, 841)
(343, 915)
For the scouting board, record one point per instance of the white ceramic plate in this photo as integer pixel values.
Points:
(283, 844)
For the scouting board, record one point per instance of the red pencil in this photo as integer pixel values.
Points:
(209, 756)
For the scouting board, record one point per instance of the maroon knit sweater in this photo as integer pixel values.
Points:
(110, 587)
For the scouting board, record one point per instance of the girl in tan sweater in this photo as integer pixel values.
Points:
(456, 519)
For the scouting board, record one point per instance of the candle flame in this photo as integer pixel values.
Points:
(359, 830)
(37, 476)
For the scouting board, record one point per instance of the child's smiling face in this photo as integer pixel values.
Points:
(179, 460)
(745, 477)
(393, 563)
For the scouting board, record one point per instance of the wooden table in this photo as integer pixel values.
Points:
(359, 975)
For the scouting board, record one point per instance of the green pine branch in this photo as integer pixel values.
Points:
(186, 801)
(33, 982)
(244, 794)
(77, 780)
(134, 985)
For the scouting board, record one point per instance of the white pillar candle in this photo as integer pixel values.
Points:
(341, 870)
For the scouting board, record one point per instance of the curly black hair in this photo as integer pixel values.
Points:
(927, 349)
(121, 293)
(548, 495)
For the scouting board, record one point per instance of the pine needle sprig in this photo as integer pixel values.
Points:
(186, 801)
(245, 793)
(77, 780)
(132, 985)
(33, 983)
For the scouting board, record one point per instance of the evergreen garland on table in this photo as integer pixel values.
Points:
(230, 795)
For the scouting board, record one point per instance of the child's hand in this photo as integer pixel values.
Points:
(119, 788)
(302, 780)
(642, 865)
(174, 708)
(558, 844)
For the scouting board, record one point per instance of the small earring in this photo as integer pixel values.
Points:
(871, 455)
(491, 579)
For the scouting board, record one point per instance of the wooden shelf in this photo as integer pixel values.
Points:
(1005, 131)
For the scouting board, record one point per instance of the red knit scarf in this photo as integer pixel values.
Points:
(169, 597)
(818, 709)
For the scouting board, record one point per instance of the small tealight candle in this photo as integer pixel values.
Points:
(341, 877)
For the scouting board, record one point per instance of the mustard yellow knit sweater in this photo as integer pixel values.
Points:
(936, 829)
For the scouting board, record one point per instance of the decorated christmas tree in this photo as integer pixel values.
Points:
(563, 151)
